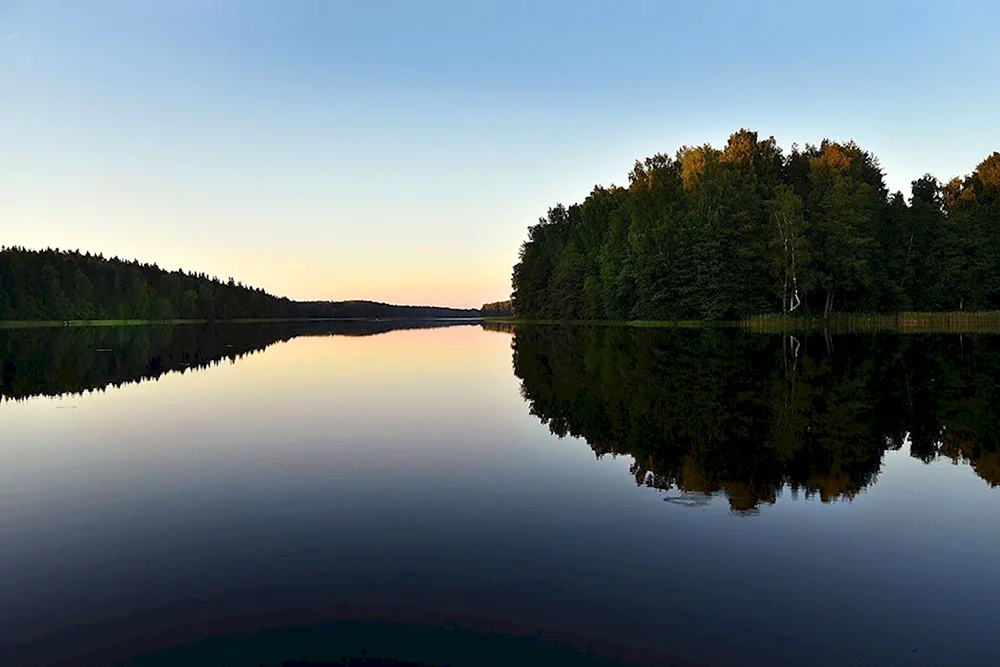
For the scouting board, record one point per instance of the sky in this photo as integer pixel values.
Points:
(398, 151)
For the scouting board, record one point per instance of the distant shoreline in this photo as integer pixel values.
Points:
(906, 322)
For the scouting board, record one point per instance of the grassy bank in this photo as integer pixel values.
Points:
(42, 324)
(664, 324)
(952, 322)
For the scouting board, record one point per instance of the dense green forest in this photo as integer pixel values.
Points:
(750, 229)
(63, 285)
(718, 410)
(497, 309)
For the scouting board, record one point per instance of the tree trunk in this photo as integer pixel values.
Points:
(829, 304)
(796, 301)
(784, 295)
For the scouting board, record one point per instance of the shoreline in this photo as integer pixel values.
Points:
(903, 322)
(42, 324)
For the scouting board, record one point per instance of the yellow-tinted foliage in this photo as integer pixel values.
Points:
(987, 466)
(955, 193)
(743, 497)
(692, 478)
(834, 157)
(832, 486)
(988, 173)
(694, 162)
(958, 446)
(741, 147)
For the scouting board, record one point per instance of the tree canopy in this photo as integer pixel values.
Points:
(749, 229)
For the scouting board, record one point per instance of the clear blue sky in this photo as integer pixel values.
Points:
(399, 150)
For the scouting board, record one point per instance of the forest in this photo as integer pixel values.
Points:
(718, 410)
(70, 285)
(750, 230)
(497, 309)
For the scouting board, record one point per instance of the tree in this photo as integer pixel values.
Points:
(788, 248)
(730, 233)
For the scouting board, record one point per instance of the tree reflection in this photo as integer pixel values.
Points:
(71, 360)
(716, 410)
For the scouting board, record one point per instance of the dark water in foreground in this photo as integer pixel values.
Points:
(265, 493)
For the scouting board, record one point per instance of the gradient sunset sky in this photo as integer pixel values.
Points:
(398, 150)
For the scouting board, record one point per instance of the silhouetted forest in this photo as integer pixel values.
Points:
(749, 229)
(64, 285)
(717, 410)
(52, 361)
(497, 309)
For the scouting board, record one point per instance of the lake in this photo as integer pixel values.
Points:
(476, 494)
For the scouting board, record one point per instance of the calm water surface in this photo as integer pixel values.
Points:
(455, 495)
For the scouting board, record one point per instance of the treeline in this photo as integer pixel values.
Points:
(749, 229)
(375, 309)
(69, 285)
(716, 410)
(497, 309)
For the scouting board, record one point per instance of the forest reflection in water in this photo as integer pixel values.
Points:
(700, 410)
(345, 483)
(52, 361)
(719, 410)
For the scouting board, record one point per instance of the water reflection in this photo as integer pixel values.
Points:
(70, 360)
(341, 495)
(722, 411)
